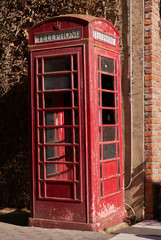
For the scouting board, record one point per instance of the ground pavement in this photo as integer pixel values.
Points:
(13, 226)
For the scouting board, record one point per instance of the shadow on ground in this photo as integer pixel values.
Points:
(16, 217)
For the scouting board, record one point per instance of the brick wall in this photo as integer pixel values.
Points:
(152, 92)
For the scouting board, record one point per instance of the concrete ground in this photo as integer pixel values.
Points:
(13, 226)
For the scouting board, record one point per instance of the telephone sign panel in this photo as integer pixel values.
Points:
(75, 123)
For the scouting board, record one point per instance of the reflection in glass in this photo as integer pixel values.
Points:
(52, 82)
(58, 99)
(51, 170)
(100, 117)
(50, 153)
(50, 136)
(57, 63)
(59, 171)
(109, 134)
(107, 65)
(109, 151)
(108, 99)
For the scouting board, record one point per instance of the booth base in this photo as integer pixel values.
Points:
(98, 226)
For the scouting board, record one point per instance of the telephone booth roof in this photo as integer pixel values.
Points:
(73, 21)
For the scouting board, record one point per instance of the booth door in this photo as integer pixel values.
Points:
(59, 162)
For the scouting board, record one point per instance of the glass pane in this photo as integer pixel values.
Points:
(75, 99)
(107, 82)
(41, 153)
(68, 153)
(58, 118)
(76, 117)
(77, 191)
(100, 152)
(117, 133)
(50, 136)
(109, 151)
(108, 116)
(50, 153)
(75, 80)
(76, 135)
(40, 136)
(40, 118)
(99, 100)
(58, 63)
(116, 83)
(40, 101)
(100, 134)
(119, 184)
(74, 62)
(60, 99)
(52, 82)
(117, 100)
(39, 83)
(118, 150)
(101, 170)
(77, 173)
(39, 65)
(41, 171)
(101, 189)
(59, 171)
(68, 135)
(41, 190)
(76, 153)
(109, 134)
(108, 99)
(115, 67)
(107, 65)
(117, 118)
(118, 166)
(100, 122)
(99, 85)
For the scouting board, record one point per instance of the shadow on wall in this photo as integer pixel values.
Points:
(14, 157)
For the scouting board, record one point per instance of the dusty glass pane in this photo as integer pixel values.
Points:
(77, 191)
(50, 153)
(50, 136)
(75, 80)
(58, 118)
(74, 62)
(68, 135)
(41, 153)
(59, 171)
(100, 170)
(117, 133)
(39, 83)
(76, 135)
(116, 83)
(58, 81)
(115, 67)
(58, 99)
(109, 134)
(99, 84)
(99, 98)
(39, 65)
(118, 166)
(108, 99)
(118, 150)
(57, 63)
(109, 151)
(76, 117)
(40, 101)
(100, 122)
(75, 99)
(51, 170)
(41, 190)
(107, 82)
(108, 116)
(100, 134)
(40, 118)
(98, 62)
(76, 153)
(107, 65)
(101, 189)
(41, 171)
(40, 136)
(77, 172)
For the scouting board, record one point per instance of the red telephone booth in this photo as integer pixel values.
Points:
(76, 126)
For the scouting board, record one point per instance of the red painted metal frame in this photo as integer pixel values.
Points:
(93, 212)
